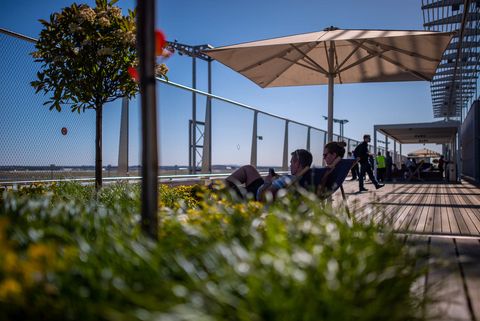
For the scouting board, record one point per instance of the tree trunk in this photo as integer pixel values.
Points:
(98, 147)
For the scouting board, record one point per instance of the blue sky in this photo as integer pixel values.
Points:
(227, 22)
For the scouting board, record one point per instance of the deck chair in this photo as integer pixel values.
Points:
(416, 171)
(326, 181)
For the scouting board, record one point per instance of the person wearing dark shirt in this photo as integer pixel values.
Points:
(362, 152)
(388, 164)
(441, 165)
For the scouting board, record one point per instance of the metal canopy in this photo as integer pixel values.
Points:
(458, 70)
(441, 132)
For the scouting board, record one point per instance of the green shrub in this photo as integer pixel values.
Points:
(81, 258)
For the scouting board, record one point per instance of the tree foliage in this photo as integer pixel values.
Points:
(85, 54)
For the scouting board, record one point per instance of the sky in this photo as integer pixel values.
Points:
(222, 23)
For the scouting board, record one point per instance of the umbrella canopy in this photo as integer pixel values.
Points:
(337, 56)
(424, 152)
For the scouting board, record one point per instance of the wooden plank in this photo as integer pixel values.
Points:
(445, 222)
(419, 211)
(411, 208)
(445, 284)
(421, 245)
(378, 199)
(469, 224)
(471, 198)
(457, 210)
(425, 221)
(437, 211)
(469, 258)
(429, 221)
(402, 209)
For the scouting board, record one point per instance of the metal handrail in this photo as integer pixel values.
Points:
(161, 178)
(235, 103)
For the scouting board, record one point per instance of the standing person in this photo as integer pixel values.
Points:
(441, 165)
(381, 167)
(361, 151)
(354, 171)
(388, 164)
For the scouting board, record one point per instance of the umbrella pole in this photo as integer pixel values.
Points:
(331, 76)
(330, 109)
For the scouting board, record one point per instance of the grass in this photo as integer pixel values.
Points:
(66, 255)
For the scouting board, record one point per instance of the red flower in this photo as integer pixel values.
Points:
(133, 73)
(159, 42)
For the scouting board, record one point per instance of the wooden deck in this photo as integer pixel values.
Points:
(444, 220)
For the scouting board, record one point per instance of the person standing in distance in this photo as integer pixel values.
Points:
(362, 152)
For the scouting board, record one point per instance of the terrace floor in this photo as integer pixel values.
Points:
(444, 220)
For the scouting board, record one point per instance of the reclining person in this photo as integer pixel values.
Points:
(300, 162)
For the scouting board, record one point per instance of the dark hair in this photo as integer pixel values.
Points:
(337, 148)
(304, 157)
(366, 136)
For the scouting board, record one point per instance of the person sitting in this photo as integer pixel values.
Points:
(263, 188)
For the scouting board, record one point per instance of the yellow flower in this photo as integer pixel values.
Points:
(42, 253)
(9, 288)
(10, 262)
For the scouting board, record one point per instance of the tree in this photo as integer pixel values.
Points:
(86, 54)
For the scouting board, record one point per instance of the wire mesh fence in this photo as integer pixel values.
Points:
(39, 144)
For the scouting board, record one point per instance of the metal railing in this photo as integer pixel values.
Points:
(35, 148)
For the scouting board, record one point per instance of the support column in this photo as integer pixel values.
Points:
(285, 148)
(375, 141)
(122, 169)
(193, 151)
(400, 160)
(395, 152)
(253, 153)
(207, 138)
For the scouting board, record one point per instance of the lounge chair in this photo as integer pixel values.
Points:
(416, 171)
(326, 181)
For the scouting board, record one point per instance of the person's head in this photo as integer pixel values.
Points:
(379, 153)
(366, 138)
(441, 157)
(333, 150)
(301, 158)
(388, 153)
(349, 154)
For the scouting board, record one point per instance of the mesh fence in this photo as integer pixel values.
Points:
(41, 144)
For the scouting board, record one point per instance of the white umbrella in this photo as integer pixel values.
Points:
(337, 56)
(424, 152)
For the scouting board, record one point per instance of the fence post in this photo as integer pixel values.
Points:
(309, 131)
(253, 153)
(285, 148)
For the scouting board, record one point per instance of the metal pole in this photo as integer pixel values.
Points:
(309, 132)
(331, 77)
(285, 148)
(207, 140)
(395, 152)
(400, 152)
(193, 169)
(253, 153)
(324, 143)
(146, 50)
